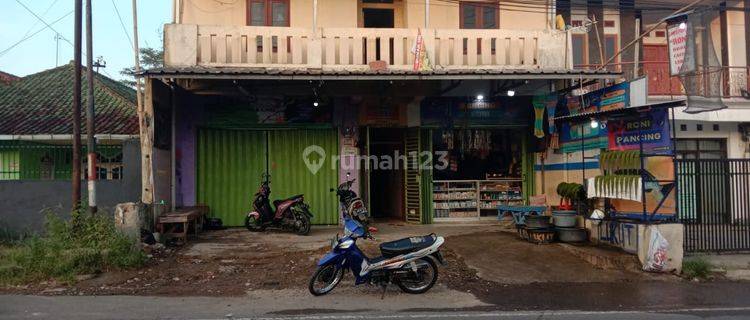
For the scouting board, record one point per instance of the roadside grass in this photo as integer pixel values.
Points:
(85, 244)
(696, 268)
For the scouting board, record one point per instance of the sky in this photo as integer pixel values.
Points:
(39, 52)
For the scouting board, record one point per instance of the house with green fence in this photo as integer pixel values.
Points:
(36, 154)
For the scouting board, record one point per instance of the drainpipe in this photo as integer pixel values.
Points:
(315, 15)
(426, 14)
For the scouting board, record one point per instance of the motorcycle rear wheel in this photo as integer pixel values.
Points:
(303, 228)
(329, 276)
(253, 224)
(423, 280)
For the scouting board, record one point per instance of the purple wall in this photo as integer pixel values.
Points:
(189, 117)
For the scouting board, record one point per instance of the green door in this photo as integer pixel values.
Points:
(230, 167)
(301, 163)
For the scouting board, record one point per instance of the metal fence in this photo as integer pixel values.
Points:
(22, 160)
(714, 204)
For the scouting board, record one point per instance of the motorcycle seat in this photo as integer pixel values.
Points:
(406, 245)
(294, 197)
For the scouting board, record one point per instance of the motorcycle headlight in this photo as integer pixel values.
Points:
(346, 244)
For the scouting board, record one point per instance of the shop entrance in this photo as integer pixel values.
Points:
(484, 169)
(386, 181)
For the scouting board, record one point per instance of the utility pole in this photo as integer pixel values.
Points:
(76, 176)
(90, 116)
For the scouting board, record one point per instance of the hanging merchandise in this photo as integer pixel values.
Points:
(554, 141)
(539, 102)
(448, 139)
(552, 100)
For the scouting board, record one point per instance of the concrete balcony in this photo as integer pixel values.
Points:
(352, 49)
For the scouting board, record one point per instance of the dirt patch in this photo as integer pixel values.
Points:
(233, 262)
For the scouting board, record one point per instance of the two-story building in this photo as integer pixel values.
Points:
(249, 86)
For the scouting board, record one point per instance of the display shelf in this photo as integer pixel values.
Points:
(473, 199)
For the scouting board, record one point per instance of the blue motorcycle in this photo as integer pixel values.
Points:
(409, 263)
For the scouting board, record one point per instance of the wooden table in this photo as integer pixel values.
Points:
(176, 224)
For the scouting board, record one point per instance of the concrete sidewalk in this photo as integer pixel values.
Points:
(733, 266)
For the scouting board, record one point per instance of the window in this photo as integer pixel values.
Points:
(609, 23)
(478, 15)
(701, 148)
(270, 13)
(716, 127)
(579, 50)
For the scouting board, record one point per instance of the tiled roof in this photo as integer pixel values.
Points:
(302, 73)
(7, 78)
(42, 103)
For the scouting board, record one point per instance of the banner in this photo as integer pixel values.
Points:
(613, 97)
(681, 46)
(653, 130)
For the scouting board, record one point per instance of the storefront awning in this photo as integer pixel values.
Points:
(622, 111)
(389, 74)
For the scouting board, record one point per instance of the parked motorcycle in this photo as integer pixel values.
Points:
(410, 263)
(351, 204)
(289, 214)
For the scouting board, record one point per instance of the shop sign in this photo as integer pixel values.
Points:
(459, 112)
(653, 130)
(571, 135)
(609, 98)
(268, 111)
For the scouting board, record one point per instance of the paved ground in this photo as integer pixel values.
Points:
(583, 300)
(732, 266)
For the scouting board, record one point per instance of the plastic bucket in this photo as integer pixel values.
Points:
(571, 234)
(564, 219)
(537, 222)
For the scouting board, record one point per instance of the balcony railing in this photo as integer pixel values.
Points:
(354, 48)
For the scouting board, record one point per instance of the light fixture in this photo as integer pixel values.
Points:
(594, 123)
(683, 25)
(480, 97)
(315, 104)
(511, 93)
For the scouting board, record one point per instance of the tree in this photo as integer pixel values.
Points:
(150, 58)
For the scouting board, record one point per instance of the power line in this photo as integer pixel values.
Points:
(124, 29)
(37, 22)
(42, 20)
(6, 50)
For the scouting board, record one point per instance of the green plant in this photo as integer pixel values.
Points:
(572, 191)
(84, 244)
(696, 268)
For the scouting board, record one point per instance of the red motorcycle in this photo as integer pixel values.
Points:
(289, 214)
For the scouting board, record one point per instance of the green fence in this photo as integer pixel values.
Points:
(24, 160)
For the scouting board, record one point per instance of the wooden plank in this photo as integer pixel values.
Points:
(398, 51)
(471, 52)
(357, 48)
(443, 52)
(458, 51)
(385, 49)
(516, 45)
(370, 49)
(267, 50)
(296, 50)
(235, 46)
(486, 51)
(221, 48)
(529, 51)
(345, 45)
(329, 45)
(205, 49)
(282, 55)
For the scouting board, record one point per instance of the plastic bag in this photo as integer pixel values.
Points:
(656, 260)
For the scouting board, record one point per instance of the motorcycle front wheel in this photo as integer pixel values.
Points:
(325, 279)
(253, 224)
(420, 281)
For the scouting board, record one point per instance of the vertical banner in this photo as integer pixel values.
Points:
(681, 46)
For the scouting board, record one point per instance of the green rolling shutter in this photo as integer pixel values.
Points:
(290, 175)
(230, 167)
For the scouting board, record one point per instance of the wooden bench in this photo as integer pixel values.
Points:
(176, 224)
